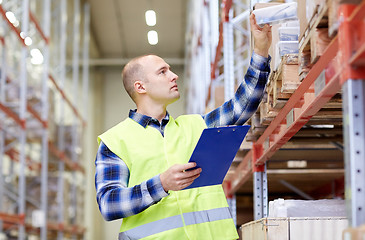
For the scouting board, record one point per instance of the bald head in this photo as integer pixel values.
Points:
(132, 72)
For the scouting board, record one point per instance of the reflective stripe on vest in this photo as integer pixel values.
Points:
(175, 222)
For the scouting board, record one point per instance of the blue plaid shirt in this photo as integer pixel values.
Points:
(116, 200)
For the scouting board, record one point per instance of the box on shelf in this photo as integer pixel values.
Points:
(354, 233)
(333, 23)
(282, 48)
(276, 14)
(307, 208)
(306, 10)
(283, 82)
(288, 33)
(304, 63)
(218, 95)
(288, 47)
(315, 228)
(319, 42)
(293, 23)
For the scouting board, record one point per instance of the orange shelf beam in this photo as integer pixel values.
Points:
(12, 115)
(304, 105)
(61, 155)
(12, 218)
(15, 29)
(357, 18)
(37, 116)
(67, 99)
(31, 164)
(38, 27)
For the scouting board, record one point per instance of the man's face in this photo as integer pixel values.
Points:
(160, 81)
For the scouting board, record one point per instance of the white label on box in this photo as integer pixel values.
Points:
(38, 218)
(319, 83)
(2, 236)
(290, 118)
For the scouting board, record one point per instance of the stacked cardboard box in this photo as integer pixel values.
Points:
(354, 233)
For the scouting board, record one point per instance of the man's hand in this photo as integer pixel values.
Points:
(262, 37)
(176, 177)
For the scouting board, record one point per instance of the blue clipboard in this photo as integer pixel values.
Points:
(215, 152)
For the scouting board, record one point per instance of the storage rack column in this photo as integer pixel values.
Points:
(352, 47)
(44, 116)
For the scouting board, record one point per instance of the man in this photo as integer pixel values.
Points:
(141, 162)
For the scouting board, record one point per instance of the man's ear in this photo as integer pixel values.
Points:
(139, 87)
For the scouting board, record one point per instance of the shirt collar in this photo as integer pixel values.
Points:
(145, 120)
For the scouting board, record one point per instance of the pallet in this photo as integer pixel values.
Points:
(330, 114)
(333, 23)
(314, 40)
(256, 129)
(318, 20)
(284, 81)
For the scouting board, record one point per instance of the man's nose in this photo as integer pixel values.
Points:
(174, 76)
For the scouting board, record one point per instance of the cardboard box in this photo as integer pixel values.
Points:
(295, 228)
(303, 22)
(319, 42)
(354, 233)
(333, 22)
(306, 10)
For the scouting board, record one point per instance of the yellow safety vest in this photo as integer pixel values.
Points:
(198, 213)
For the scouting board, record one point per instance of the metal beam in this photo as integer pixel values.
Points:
(112, 62)
(296, 190)
(305, 171)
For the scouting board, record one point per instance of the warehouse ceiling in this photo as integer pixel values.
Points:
(120, 28)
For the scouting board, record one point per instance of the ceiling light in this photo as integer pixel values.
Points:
(16, 23)
(150, 18)
(28, 41)
(10, 16)
(152, 37)
(37, 57)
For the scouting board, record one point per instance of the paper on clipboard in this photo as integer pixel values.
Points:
(215, 152)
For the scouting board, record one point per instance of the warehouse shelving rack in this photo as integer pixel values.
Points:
(16, 116)
(304, 103)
